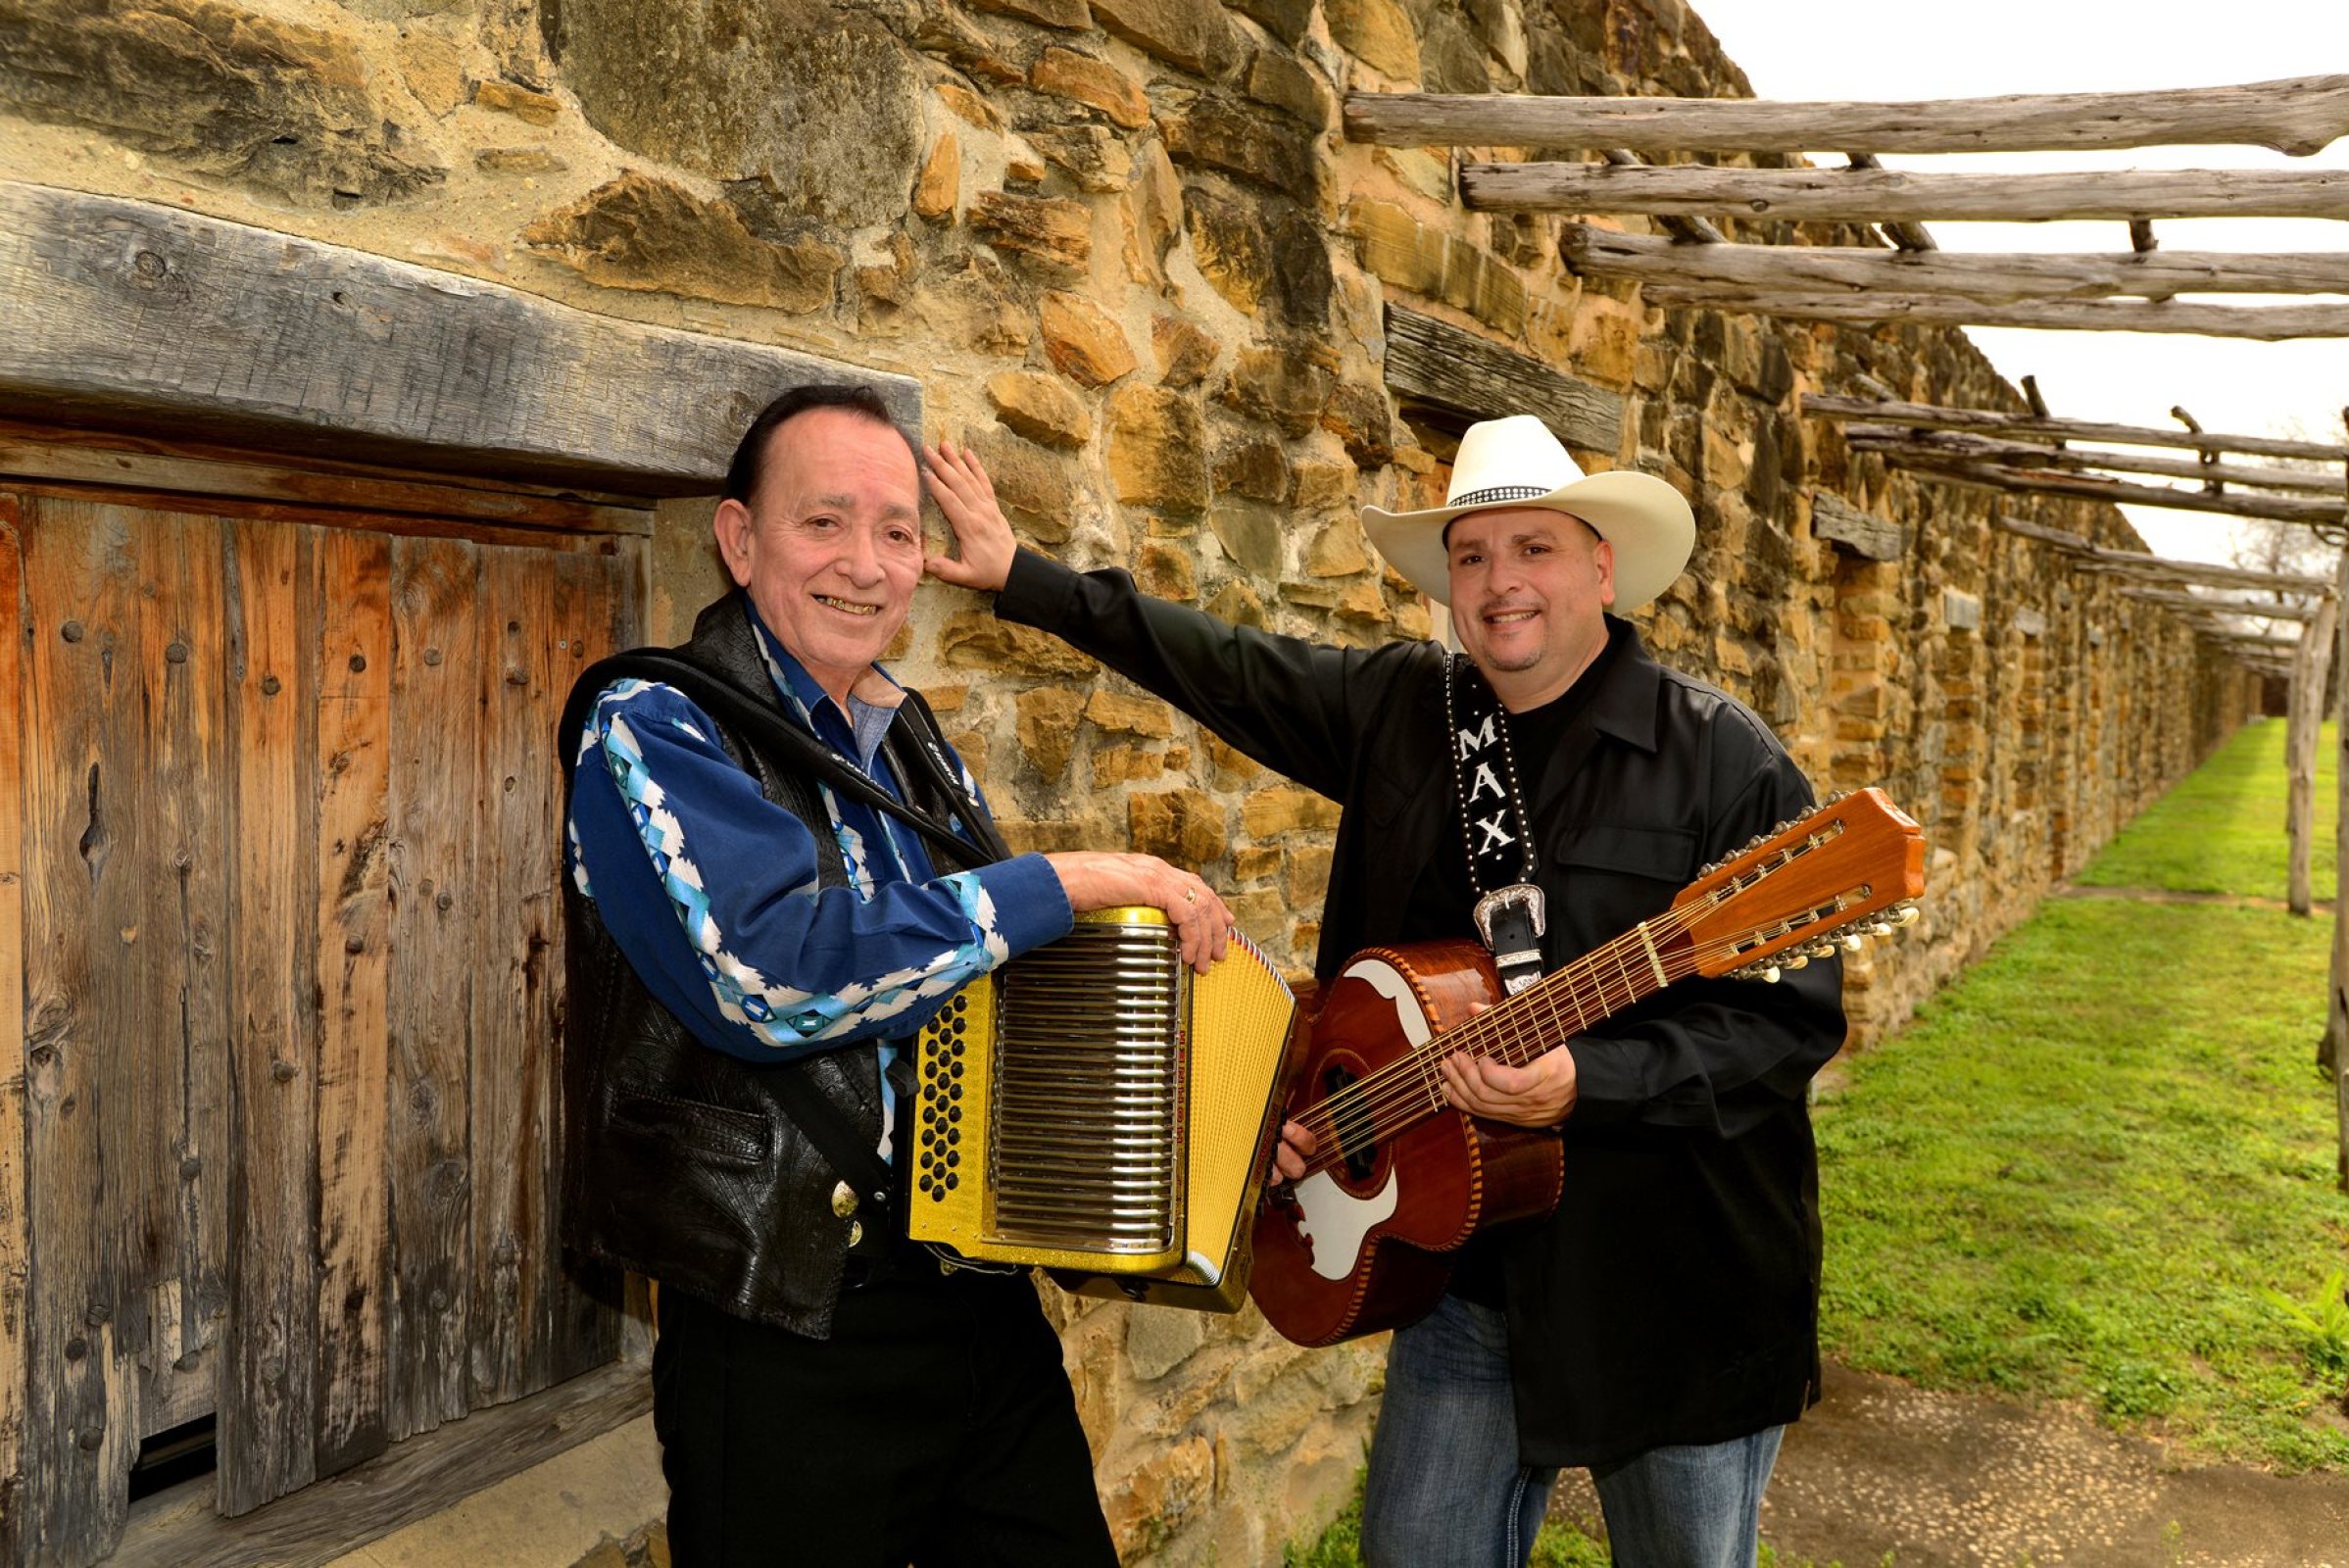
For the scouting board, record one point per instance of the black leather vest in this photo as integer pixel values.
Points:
(680, 1161)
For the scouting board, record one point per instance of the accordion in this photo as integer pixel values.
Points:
(1097, 1108)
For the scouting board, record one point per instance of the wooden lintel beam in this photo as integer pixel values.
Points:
(2298, 116)
(1988, 277)
(2199, 604)
(139, 315)
(1891, 439)
(1884, 196)
(2092, 488)
(1991, 421)
(2259, 323)
(1471, 377)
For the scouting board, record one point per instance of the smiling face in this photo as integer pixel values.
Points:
(1528, 586)
(830, 544)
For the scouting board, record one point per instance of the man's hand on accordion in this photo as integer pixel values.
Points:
(1105, 879)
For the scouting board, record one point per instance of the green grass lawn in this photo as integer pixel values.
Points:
(2222, 829)
(2081, 1172)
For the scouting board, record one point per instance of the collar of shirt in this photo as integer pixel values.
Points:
(873, 701)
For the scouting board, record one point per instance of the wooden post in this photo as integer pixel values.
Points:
(2304, 720)
(2336, 1012)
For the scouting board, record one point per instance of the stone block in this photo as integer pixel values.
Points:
(1156, 199)
(1338, 551)
(1163, 1491)
(970, 308)
(1183, 826)
(1379, 33)
(1214, 130)
(1023, 166)
(279, 107)
(1073, 15)
(1250, 535)
(1254, 468)
(1284, 20)
(1961, 611)
(1051, 229)
(1096, 83)
(1195, 35)
(1039, 407)
(1356, 414)
(1048, 727)
(1185, 352)
(1308, 874)
(517, 160)
(1157, 448)
(1121, 714)
(1255, 863)
(1035, 486)
(824, 108)
(638, 232)
(1165, 573)
(434, 70)
(1160, 1338)
(505, 98)
(1322, 486)
(1285, 808)
(1277, 80)
(976, 640)
(1303, 281)
(969, 108)
(1228, 761)
(1090, 155)
(1083, 340)
(1229, 245)
(1278, 386)
(947, 35)
(1116, 766)
(939, 185)
(1451, 57)
(1238, 604)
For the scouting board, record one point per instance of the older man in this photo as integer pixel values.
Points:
(1660, 1327)
(779, 871)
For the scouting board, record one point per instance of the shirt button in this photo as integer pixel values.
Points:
(844, 1199)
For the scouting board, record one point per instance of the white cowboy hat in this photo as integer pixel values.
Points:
(1517, 463)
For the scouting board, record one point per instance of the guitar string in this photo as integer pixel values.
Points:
(1410, 1084)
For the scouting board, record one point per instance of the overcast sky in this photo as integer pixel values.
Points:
(1903, 49)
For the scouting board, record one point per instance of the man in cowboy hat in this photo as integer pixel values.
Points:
(1659, 1327)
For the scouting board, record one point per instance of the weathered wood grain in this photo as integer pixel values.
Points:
(1990, 422)
(231, 507)
(437, 908)
(1436, 362)
(82, 902)
(1990, 278)
(1884, 196)
(353, 774)
(596, 613)
(2271, 324)
(118, 461)
(179, 1046)
(2203, 603)
(2304, 718)
(15, 1258)
(130, 310)
(1863, 533)
(2039, 481)
(267, 1405)
(406, 1483)
(2081, 460)
(516, 961)
(2086, 556)
(2299, 115)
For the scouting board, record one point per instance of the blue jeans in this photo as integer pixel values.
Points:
(1446, 1490)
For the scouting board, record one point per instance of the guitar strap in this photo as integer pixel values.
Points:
(1495, 825)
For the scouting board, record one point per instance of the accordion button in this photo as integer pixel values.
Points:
(844, 1199)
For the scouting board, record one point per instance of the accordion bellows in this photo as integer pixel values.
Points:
(1095, 1109)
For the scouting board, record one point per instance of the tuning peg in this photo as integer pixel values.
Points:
(1879, 928)
(1770, 975)
(1796, 959)
(1906, 914)
(1821, 950)
(1852, 942)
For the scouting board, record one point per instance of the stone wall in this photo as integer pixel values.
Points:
(1126, 250)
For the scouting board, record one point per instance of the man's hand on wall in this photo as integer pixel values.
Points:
(983, 542)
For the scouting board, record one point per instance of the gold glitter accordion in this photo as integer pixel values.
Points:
(1098, 1110)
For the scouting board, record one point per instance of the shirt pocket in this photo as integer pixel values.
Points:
(1663, 857)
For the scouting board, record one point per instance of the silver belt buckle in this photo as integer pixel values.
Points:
(1521, 894)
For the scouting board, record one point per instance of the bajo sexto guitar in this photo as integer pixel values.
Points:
(1400, 1180)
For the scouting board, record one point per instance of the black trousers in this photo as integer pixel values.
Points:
(935, 1427)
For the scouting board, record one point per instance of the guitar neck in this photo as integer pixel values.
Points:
(1601, 983)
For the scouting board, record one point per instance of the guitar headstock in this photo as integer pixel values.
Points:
(1847, 871)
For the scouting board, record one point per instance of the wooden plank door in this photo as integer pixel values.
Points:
(278, 1071)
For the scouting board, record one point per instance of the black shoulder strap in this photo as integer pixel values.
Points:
(785, 742)
(852, 1158)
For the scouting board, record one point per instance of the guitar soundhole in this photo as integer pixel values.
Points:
(1350, 1119)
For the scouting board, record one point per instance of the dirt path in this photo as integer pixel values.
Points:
(1962, 1481)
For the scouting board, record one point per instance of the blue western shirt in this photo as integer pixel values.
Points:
(711, 890)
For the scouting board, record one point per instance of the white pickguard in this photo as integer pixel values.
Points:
(1330, 1220)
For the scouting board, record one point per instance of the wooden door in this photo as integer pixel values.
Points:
(279, 839)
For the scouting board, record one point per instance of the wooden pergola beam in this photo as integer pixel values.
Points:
(2076, 459)
(2297, 116)
(2199, 604)
(2094, 487)
(2087, 555)
(1990, 422)
(1884, 196)
(2260, 323)
(1990, 278)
